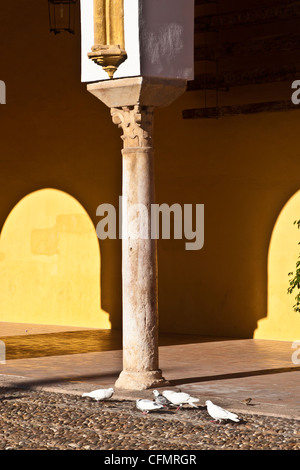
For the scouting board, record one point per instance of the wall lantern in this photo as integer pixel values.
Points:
(62, 15)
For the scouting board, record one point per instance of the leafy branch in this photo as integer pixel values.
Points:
(295, 281)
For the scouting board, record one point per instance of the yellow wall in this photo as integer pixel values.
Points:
(50, 263)
(244, 169)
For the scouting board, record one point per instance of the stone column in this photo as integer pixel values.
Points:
(132, 102)
(139, 261)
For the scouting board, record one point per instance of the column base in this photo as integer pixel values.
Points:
(129, 380)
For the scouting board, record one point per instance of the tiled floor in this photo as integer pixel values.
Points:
(227, 370)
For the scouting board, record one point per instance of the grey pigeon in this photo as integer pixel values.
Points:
(160, 399)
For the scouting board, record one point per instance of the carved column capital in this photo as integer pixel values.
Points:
(136, 123)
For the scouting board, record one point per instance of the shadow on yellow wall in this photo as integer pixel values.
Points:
(50, 263)
(282, 322)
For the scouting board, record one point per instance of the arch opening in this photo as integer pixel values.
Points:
(282, 322)
(50, 263)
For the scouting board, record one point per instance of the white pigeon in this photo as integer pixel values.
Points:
(100, 394)
(180, 398)
(147, 405)
(219, 414)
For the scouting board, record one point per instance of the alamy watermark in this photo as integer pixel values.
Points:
(2, 352)
(296, 94)
(148, 223)
(295, 358)
(2, 92)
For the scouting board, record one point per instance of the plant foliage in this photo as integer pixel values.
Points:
(295, 280)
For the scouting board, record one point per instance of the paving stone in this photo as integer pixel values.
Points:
(39, 420)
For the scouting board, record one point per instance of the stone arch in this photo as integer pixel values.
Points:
(282, 322)
(50, 263)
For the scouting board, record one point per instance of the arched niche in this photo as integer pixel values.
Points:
(50, 263)
(282, 322)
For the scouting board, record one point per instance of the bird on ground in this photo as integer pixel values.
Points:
(160, 399)
(100, 394)
(219, 414)
(180, 398)
(247, 401)
(147, 405)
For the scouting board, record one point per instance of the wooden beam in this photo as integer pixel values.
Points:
(251, 108)
(243, 77)
(263, 45)
(280, 12)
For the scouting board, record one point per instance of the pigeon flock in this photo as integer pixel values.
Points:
(168, 399)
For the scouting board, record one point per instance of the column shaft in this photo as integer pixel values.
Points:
(139, 263)
(139, 256)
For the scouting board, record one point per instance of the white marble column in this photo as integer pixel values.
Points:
(132, 102)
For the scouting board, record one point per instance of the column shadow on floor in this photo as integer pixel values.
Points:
(233, 375)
